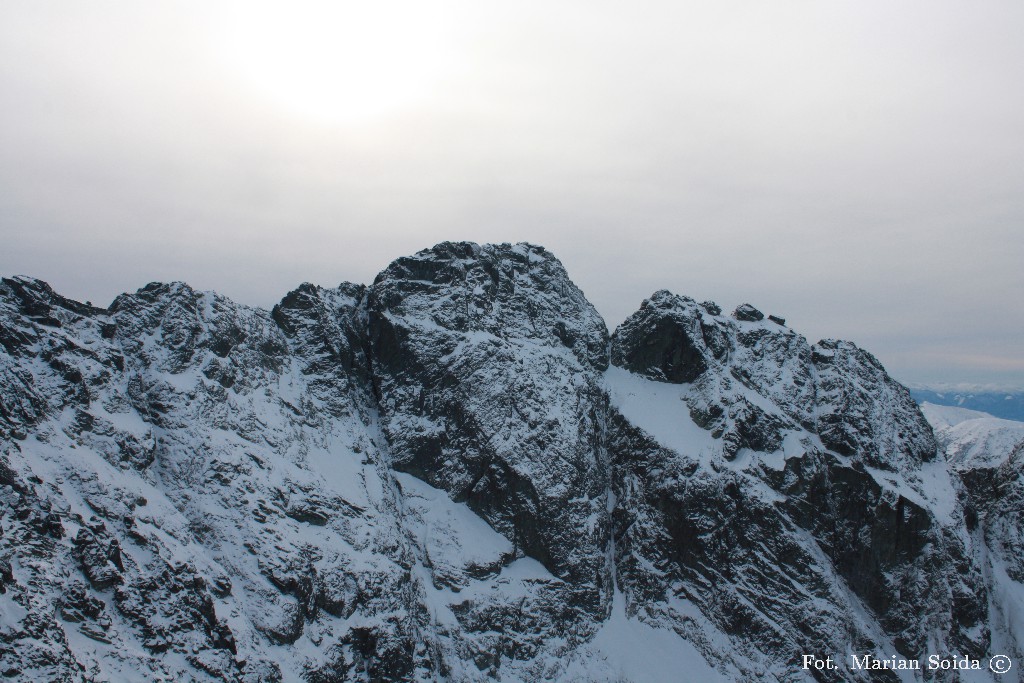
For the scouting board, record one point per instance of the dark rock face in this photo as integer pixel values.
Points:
(508, 291)
(194, 443)
(743, 535)
(833, 389)
(328, 327)
(664, 341)
(455, 474)
(869, 415)
(45, 367)
(487, 360)
(988, 456)
(747, 313)
(725, 362)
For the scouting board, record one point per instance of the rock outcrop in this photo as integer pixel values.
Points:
(456, 474)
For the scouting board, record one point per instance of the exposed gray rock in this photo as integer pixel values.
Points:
(487, 363)
(666, 340)
(864, 413)
(440, 477)
(747, 313)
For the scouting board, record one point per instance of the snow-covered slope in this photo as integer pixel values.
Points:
(987, 453)
(457, 474)
(1007, 404)
(971, 438)
(940, 417)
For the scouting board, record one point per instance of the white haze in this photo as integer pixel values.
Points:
(856, 167)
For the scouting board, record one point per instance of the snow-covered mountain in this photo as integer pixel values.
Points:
(1007, 404)
(973, 439)
(987, 455)
(457, 474)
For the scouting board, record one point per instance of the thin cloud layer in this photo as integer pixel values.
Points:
(854, 167)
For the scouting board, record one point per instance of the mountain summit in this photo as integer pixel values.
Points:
(456, 474)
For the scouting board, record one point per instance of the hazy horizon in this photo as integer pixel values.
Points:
(856, 168)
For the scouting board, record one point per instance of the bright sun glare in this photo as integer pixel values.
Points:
(338, 62)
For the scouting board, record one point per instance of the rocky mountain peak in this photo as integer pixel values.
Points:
(753, 379)
(487, 361)
(509, 291)
(456, 474)
(36, 300)
(748, 313)
(668, 340)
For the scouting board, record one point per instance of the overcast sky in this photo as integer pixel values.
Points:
(856, 167)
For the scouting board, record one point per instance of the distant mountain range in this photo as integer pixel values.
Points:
(1008, 405)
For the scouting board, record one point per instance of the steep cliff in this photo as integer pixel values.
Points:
(455, 473)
